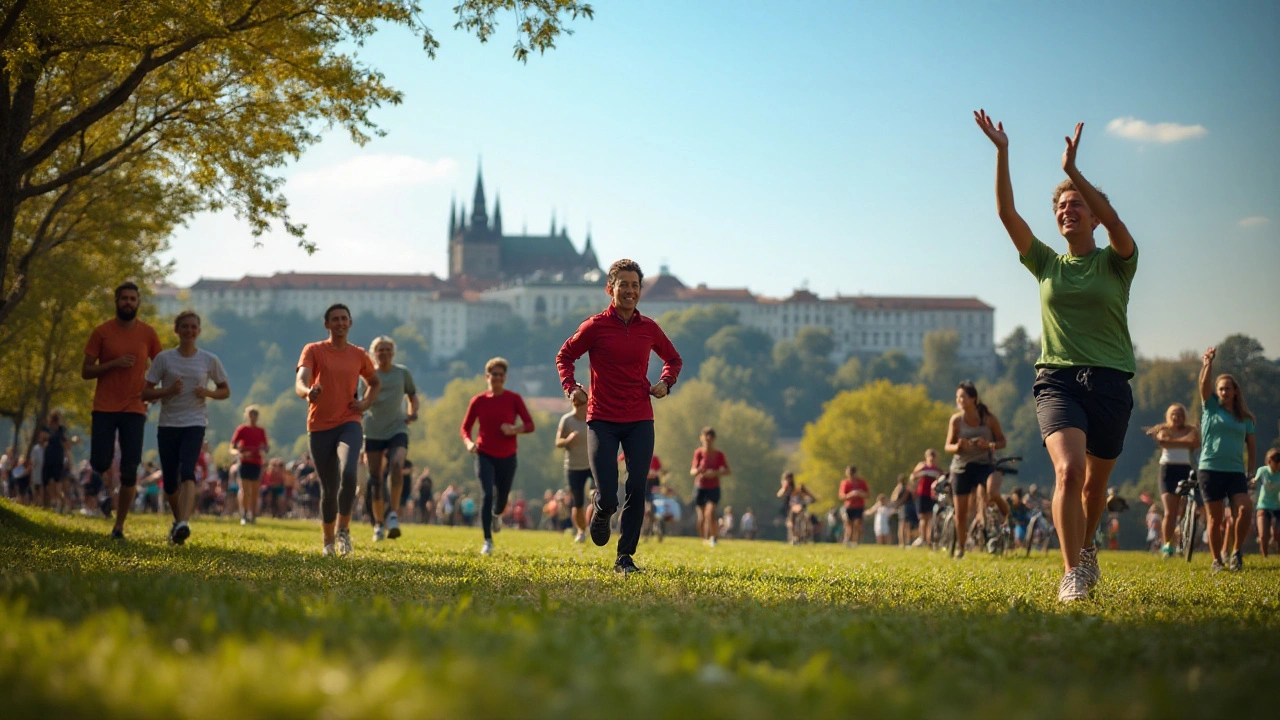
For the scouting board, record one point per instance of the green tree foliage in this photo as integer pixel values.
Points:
(746, 435)
(200, 99)
(893, 366)
(941, 368)
(690, 330)
(881, 428)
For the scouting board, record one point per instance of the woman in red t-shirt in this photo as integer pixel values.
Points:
(853, 492)
(709, 465)
(925, 474)
(502, 416)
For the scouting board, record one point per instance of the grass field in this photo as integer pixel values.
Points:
(246, 622)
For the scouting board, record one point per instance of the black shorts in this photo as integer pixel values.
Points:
(707, 495)
(1219, 486)
(250, 471)
(1275, 514)
(104, 428)
(973, 475)
(924, 505)
(1171, 475)
(179, 449)
(398, 440)
(1093, 399)
(853, 513)
(577, 480)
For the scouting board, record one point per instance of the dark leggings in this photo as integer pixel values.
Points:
(336, 453)
(496, 476)
(636, 440)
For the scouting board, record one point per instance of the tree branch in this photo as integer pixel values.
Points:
(11, 20)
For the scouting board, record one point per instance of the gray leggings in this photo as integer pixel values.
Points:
(336, 453)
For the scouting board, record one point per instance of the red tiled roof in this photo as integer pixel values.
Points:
(663, 287)
(723, 294)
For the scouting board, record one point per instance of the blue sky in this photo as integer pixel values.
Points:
(828, 144)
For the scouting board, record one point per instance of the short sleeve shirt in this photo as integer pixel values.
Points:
(1268, 489)
(1222, 438)
(858, 501)
(703, 460)
(337, 371)
(185, 409)
(387, 417)
(252, 440)
(1084, 307)
(120, 390)
(575, 454)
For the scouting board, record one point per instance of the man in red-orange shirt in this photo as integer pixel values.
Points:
(328, 377)
(116, 356)
(854, 492)
(619, 412)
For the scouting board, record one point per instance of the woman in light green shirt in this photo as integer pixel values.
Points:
(1227, 453)
(1267, 480)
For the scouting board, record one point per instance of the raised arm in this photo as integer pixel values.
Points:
(1117, 233)
(1206, 374)
(1017, 228)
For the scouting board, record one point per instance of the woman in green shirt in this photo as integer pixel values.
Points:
(1227, 454)
(1267, 481)
(1082, 394)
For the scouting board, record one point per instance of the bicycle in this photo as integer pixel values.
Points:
(945, 535)
(1189, 523)
(1040, 533)
(987, 531)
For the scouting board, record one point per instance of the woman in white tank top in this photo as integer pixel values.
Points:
(1177, 440)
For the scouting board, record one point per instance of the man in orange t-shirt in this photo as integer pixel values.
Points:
(116, 357)
(328, 379)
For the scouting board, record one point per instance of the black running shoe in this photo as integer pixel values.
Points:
(625, 565)
(117, 534)
(600, 527)
(181, 532)
(1236, 562)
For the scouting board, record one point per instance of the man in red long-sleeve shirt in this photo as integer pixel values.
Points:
(619, 412)
(502, 416)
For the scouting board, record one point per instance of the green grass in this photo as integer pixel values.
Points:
(246, 622)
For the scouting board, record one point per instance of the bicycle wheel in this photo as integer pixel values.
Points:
(950, 538)
(1033, 532)
(1188, 529)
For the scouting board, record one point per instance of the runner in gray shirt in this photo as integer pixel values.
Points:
(572, 438)
(386, 436)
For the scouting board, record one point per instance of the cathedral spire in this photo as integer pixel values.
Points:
(553, 223)
(589, 258)
(453, 217)
(497, 214)
(479, 215)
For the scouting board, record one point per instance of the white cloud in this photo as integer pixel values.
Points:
(374, 172)
(1255, 221)
(1132, 128)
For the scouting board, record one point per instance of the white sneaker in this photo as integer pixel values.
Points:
(328, 550)
(244, 519)
(1074, 586)
(713, 541)
(344, 541)
(1089, 564)
(581, 537)
(393, 526)
(378, 533)
(488, 548)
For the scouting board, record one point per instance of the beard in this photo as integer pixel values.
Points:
(126, 315)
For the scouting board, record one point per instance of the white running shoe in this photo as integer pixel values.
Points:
(713, 541)
(581, 537)
(378, 533)
(328, 550)
(1089, 564)
(244, 519)
(393, 526)
(344, 541)
(1074, 586)
(488, 548)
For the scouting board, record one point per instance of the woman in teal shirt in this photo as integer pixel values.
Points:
(1227, 454)
(1268, 482)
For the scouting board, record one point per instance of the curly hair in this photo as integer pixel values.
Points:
(624, 265)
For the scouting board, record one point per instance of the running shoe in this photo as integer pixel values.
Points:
(1217, 566)
(181, 532)
(1074, 586)
(712, 542)
(496, 525)
(581, 537)
(600, 528)
(1167, 551)
(344, 541)
(488, 548)
(244, 519)
(378, 533)
(328, 550)
(117, 534)
(393, 526)
(625, 565)
(1089, 564)
(1236, 562)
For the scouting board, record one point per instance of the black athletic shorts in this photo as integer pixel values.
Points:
(973, 475)
(250, 471)
(577, 480)
(853, 513)
(707, 495)
(179, 450)
(1171, 475)
(924, 505)
(1275, 514)
(397, 440)
(1219, 486)
(1093, 399)
(104, 429)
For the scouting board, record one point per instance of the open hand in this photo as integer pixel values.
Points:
(659, 390)
(1073, 144)
(994, 130)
